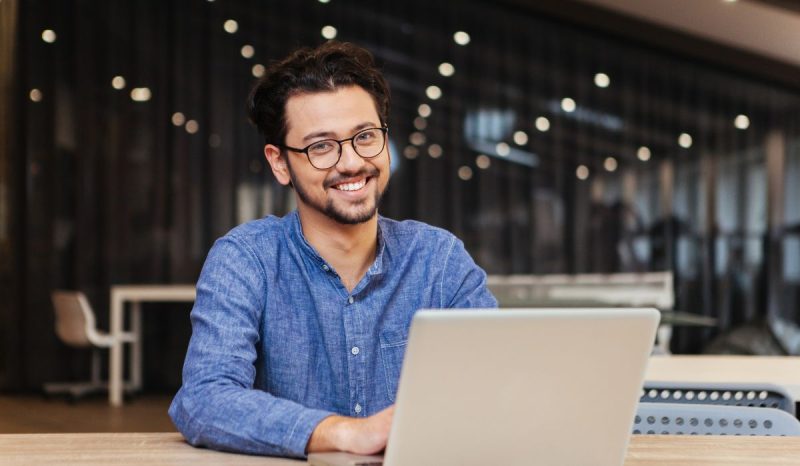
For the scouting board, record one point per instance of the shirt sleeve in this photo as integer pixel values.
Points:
(463, 282)
(217, 406)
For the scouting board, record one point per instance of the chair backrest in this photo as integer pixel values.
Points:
(683, 419)
(729, 394)
(74, 317)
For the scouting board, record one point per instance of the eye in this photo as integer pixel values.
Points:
(322, 147)
(366, 136)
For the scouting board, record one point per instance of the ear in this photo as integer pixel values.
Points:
(278, 164)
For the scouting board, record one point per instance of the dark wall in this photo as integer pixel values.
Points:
(107, 190)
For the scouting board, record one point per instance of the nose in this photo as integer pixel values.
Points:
(350, 161)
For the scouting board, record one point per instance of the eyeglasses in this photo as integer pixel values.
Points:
(322, 155)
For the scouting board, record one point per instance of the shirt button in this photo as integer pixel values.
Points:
(325, 267)
(357, 408)
(350, 300)
(355, 350)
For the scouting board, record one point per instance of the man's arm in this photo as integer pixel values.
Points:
(217, 405)
(463, 283)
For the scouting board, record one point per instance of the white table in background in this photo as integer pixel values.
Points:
(135, 295)
(778, 370)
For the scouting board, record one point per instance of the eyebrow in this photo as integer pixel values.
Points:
(332, 135)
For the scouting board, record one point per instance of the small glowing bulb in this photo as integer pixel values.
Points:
(741, 122)
(582, 172)
(461, 38)
(446, 69)
(610, 164)
(643, 153)
(483, 161)
(118, 82)
(424, 110)
(231, 26)
(502, 149)
(520, 138)
(49, 36)
(465, 173)
(192, 126)
(542, 124)
(685, 140)
(35, 95)
(602, 80)
(258, 70)
(568, 104)
(329, 32)
(178, 119)
(433, 92)
(248, 51)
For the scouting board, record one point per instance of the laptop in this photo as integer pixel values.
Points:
(516, 387)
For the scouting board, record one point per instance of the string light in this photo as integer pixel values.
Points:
(502, 149)
(602, 80)
(643, 153)
(446, 69)
(35, 95)
(231, 26)
(520, 138)
(424, 110)
(192, 126)
(568, 104)
(461, 38)
(741, 122)
(258, 70)
(465, 173)
(582, 172)
(610, 164)
(433, 92)
(178, 119)
(685, 140)
(483, 161)
(49, 36)
(140, 94)
(118, 82)
(435, 151)
(329, 32)
(542, 124)
(248, 51)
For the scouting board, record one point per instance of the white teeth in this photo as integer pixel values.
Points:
(351, 186)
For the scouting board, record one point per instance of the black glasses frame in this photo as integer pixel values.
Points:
(384, 129)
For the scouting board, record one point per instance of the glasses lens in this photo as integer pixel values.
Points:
(369, 143)
(324, 154)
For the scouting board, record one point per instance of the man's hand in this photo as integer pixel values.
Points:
(362, 436)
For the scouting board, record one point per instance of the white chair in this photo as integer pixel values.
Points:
(76, 326)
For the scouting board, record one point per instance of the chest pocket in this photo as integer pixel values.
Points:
(393, 348)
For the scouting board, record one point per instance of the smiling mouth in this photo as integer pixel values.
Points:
(351, 186)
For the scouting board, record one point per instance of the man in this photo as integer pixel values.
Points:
(301, 322)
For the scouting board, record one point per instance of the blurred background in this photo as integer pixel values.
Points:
(553, 137)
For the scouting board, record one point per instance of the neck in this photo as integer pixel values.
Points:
(350, 249)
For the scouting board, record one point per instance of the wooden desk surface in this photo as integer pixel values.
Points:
(778, 370)
(170, 449)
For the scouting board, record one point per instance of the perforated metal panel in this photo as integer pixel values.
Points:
(746, 395)
(685, 419)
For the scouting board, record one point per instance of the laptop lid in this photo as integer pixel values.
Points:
(520, 387)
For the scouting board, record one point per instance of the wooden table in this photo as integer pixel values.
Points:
(170, 449)
(135, 294)
(778, 370)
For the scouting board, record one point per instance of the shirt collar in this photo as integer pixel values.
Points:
(298, 238)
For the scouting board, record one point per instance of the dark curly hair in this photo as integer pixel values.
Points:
(324, 68)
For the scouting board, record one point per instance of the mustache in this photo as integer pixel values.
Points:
(338, 178)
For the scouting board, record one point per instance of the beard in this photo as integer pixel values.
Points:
(334, 212)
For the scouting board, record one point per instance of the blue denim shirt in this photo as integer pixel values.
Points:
(278, 343)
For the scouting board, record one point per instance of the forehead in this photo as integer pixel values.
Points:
(336, 111)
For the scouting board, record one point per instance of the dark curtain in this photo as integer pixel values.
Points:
(104, 189)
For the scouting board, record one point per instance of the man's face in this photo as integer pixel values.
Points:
(350, 191)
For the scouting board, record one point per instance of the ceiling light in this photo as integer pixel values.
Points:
(465, 173)
(329, 32)
(741, 122)
(248, 51)
(178, 119)
(643, 153)
(685, 140)
(411, 152)
(231, 26)
(118, 82)
(140, 94)
(192, 126)
(49, 36)
(446, 69)
(542, 124)
(601, 80)
(502, 149)
(424, 110)
(461, 38)
(433, 92)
